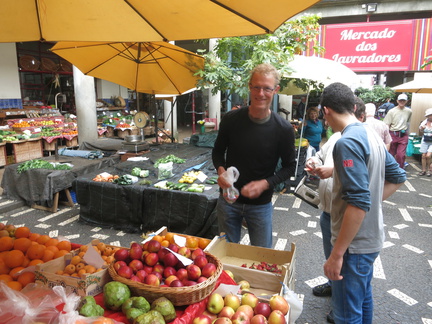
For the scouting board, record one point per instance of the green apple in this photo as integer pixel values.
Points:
(215, 303)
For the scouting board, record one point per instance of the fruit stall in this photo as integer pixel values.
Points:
(168, 277)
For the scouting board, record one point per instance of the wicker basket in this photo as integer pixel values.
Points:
(179, 296)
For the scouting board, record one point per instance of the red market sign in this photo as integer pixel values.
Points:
(377, 46)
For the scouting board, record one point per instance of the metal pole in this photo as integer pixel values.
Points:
(193, 112)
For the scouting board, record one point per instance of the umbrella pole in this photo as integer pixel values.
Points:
(301, 132)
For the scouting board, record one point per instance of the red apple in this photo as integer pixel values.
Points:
(193, 272)
(201, 279)
(119, 264)
(154, 246)
(169, 271)
(232, 301)
(125, 272)
(158, 268)
(162, 252)
(136, 265)
(152, 280)
(276, 317)
(222, 320)
(182, 274)
(121, 255)
(135, 278)
(184, 251)
(157, 274)
(135, 251)
(176, 283)
(170, 260)
(170, 279)
(189, 282)
(141, 274)
(145, 246)
(249, 299)
(208, 270)
(258, 319)
(173, 247)
(202, 319)
(277, 302)
(263, 309)
(240, 317)
(211, 315)
(151, 259)
(226, 311)
(147, 268)
(197, 252)
(200, 261)
(246, 309)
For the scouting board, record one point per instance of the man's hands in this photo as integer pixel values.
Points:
(332, 268)
(254, 188)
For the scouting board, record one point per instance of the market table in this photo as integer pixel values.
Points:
(135, 208)
(39, 186)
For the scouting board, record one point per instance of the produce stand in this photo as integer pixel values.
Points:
(140, 207)
(39, 186)
(27, 149)
(3, 154)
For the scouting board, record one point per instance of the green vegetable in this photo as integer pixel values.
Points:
(145, 182)
(135, 306)
(196, 188)
(124, 180)
(144, 173)
(212, 180)
(136, 172)
(115, 294)
(169, 158)
(89, 308)
(41, 164)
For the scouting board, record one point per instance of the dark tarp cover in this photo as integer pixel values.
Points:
(135, 208)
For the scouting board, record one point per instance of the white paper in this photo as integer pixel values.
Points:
(225, 289)
(137, 158)
(185, 261)
(180, 240)
(93, 258)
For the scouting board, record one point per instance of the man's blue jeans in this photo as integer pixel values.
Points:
(352, 296)
(258, 219)
(325, 225)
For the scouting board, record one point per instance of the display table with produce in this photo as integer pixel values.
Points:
(39, 186)
(144, 206)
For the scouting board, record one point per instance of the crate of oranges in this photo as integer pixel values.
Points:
(166, 238)
(83, 271)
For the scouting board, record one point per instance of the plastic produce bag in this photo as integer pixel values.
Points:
(296, 306)
(165, 170)
(231, 175)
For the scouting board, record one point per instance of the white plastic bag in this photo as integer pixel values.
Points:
(296, 306)
(231, 175)
(165, 170)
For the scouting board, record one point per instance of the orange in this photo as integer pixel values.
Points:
(35, 262)
(90, 269)
(43, 239)
(70, 268)
(48, 255)
(203, 242)
(14, 272)
(101, 246)
(158, 238)
(26, 262)
(170, 237)
(6, 277)
(6, 243)
(34, 236)
(83, 248)
(36, 251)
(15, 285)
(103, 320)
(22, 231)
(25, 278)
(52, 241)
(75, 260)
(4, 269)
(14, 258)
(22, 244)
(108, 251)
(81, 272)
(64, 245)
(165, 243)
(52, 248)
(80, 266)
(60, 253)
(191, 242)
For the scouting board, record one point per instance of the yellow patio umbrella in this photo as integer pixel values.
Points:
(148, 67)
(138, 20)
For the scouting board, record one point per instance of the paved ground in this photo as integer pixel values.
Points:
(402, 277)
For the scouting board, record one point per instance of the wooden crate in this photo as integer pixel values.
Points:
(123, 133)
(27, 150)
(73, 142)
(49, 146)
(110, 131)
(3, 154)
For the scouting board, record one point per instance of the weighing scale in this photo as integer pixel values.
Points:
(136, 143)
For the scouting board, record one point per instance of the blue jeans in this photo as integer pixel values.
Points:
(258, 219)
(326, 233)
(352, 296)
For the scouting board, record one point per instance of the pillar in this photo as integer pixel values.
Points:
(214, 100)
(170, 116)
(85, 100)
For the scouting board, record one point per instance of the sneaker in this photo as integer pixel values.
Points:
(324, 290)
(330, 318)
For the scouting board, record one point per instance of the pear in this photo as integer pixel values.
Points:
(165, 307)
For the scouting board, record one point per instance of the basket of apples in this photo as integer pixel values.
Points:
(183, 275)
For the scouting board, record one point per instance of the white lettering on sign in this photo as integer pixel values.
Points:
(351, 34)
(373, 58)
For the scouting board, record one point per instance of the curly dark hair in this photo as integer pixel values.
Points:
(339, 98)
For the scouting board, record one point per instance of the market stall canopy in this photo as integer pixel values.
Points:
(416, 86)
(137, 20)
(148, 67)
(320, 70)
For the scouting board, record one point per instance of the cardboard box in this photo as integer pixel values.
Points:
(233, 256)
(87, 285)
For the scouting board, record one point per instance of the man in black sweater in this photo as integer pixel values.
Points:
(253, 139)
